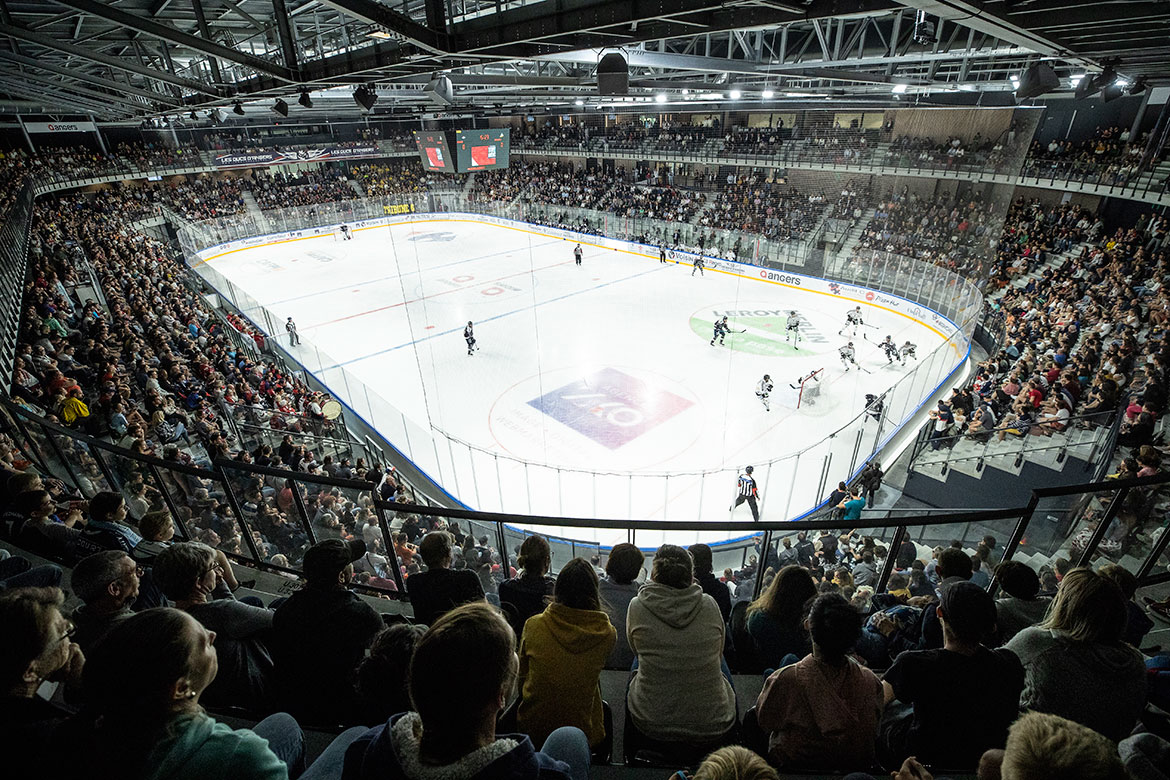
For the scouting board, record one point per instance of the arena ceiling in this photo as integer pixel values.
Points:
(130, 59)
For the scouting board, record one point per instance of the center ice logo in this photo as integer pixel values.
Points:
(432, 236)
(610, 407)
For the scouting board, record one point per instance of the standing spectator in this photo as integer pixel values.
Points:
(677, 633)
(562, 652)
(823, 711)
(294, 338)
(705, 576)
(107, 582)
(439, 589)
(321, 635)
(1077, 665)
(871, 481)
(776, 622)
(452, 730)
(527, 595)
(852, 507)
(618, 588)
(925, 714)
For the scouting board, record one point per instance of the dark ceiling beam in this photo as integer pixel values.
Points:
(74, 73)
(158, 6)
(104, 59)
(373, 13)
(288, 43)
(88, 94)
(205, 32)
(532, 30)
(68, 103)
(170, 33)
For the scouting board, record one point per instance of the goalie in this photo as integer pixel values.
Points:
(810, 383)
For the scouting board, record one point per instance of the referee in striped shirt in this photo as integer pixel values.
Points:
(748, 492)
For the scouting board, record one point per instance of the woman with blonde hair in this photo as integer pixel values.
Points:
(775, 620)
(1075, 662)
(734, 762)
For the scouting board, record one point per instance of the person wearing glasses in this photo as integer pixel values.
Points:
(107, 582)
(37, 648)
(191, 577)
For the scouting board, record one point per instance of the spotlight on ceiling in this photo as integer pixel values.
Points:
(238, 108)
(364, 97)
(898, 89)
(923, 30)
(217, 115)
(1090, 84)
(767, 94)
(193, 116)
(1138, 86)
(305, 100)
(660, 97)
(280, 107)
(578, 102)
(736, 94)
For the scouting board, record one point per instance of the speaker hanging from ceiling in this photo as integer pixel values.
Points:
(280, 107)
(365, 97)
(1037, 80)
(439, 90)
(613, 75)
(305, 100)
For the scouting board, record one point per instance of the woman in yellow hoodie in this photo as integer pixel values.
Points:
(562, 652)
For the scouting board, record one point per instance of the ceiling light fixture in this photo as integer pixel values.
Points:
(238, 108)
(767, 94)
(736, 94)
(898, 89)
(660, 97)
(305, 100)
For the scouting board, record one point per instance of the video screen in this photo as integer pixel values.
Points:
(481, 150)
(434, 152)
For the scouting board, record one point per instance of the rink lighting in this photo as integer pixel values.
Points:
(686, 92)
(899, 89)
(767, 94)
(578, 102)
(736, 94)
(660, 98)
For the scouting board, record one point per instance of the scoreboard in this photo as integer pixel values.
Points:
(434, 151)
(481, 150)
(464, 151)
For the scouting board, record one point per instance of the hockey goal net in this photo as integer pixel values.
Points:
(811, 388)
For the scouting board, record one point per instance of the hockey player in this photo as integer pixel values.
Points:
(811, 389)
(874, 405)
(763, 390)
(792, 330)
(890, 349)
(698, 265)
(469, 336)
(577, 252)
(852, 321)
(908, 350)
(345, 233)
(847, 355)
(721, 330)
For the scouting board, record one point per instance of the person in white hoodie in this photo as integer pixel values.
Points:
(679, 691)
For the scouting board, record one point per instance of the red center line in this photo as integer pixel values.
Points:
(428, 297)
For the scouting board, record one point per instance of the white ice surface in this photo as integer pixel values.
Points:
(390, 306)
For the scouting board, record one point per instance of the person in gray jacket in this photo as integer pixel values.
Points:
(1022, 606)
(618, 588)
(679, 691)
(1075, 662)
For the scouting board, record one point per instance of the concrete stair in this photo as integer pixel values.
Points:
(255, 211)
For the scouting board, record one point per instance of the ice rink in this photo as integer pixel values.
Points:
(601, 372)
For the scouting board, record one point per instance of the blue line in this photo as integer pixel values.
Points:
(394, 276)
(489, 319)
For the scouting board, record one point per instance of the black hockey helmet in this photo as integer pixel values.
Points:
(748, 469)
(767, 377)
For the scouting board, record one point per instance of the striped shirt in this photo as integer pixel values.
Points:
(747, 485)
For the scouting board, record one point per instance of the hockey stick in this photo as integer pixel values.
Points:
(862, 368)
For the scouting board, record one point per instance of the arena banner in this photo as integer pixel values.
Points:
(248, 159)
(60, 127)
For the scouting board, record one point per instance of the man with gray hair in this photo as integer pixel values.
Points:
(107, 582)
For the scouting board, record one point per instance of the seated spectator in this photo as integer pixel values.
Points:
(1041, 746)
(562, 652)
(321, 635)
(107, 583)
(926, 715)
(776, 620)
(618, 587)
(1077, 665)
(823, 711)
(143, 686)
(452, 730)
(107, 529)
(677, 633)
(734, 762)
(382, 674)
(190, 576)
(439, 589)
(42, 531)
(705, 576)
(527, 595)
(36, 648)
(1137, 623)
(1023, 606)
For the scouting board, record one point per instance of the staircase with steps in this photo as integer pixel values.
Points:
(838, 265)
(255, 211)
